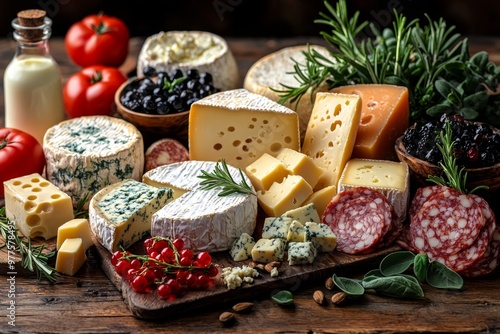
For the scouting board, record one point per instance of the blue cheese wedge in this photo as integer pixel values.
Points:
(85, 154)
(321, 236)
(304, 214)
(205, 220)
(120, 214)
(276, 227)
(242, 247)
(301, 253)
(269, 250)
(296, 232)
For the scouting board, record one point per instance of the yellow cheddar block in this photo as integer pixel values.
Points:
(384, 117)
(71, 256)
(298, 163)
(284, 196)
(75, 228)
(331, 134)
(266, 170)
(321, 198)
(36, 206)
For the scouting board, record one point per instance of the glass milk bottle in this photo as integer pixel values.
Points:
(32, 80)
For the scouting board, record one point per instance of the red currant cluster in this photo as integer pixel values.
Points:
(167, 268)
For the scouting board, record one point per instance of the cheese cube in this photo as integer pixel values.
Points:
(240, 126)
(321, 198)
(120, 214)
(331, 134)
(390, 178)
(304, 214)
(284, 196)
(301, 253)
(75, 228)
(266, 170)
(269, 250)
(296, 232)
(71, 256)
(300, 164)
(321, 236)
(276, 227)
(384, 117)
(242, 247)
(36, 206)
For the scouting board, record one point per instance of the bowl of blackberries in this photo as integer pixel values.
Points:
(159, 103)
(475, 147)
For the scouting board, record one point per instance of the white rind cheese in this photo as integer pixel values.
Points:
(201, 50)
(120, 214)
(85, 154)
(240, 127)
(276, 69)
(205, 220)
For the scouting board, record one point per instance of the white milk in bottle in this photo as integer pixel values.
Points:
(32, 80)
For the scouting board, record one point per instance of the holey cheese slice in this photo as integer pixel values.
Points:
(120, 214)
(384, 117)
(331, 134)
(202, 218)
(268, 75)
(240, 126)
(86, 154)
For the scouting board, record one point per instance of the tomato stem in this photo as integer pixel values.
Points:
(4, 141)
(101, 28)
(95, 78)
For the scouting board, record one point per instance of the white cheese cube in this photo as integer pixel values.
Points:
(301, 253)
(268, 250)
(321, 236)
(242, 247)
(298, 163)
(276, 227)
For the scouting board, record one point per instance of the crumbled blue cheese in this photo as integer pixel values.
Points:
(235, 276)
(301, 253)
(276, 227)
(242, 247)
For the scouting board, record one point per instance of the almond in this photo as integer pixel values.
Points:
(243, 307)
(226, 317)
(319, 297)
(329, 284)
(271, 265)
(339, 298)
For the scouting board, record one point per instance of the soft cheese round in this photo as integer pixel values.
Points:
(204, 51)
(202, 218)
(274, 70)
(85, 154)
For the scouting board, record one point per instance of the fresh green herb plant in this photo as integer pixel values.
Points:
(430, 59)
(221, 177)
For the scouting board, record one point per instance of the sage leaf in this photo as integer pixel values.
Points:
(441, 277)
(350, 286)
(396, 263)
(283, 297)
(420, 264)
(399, 286)
(374, 273)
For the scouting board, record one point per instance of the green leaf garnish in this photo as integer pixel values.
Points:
(221, 177)
(420, 265)
(396, 263)
(441, 277)
(283, 297)
(398, 286)
(351, 287)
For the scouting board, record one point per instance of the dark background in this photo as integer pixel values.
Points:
(253, 18)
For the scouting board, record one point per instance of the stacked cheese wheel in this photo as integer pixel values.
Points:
(456, 229)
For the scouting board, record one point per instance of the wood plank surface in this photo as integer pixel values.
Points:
(89, 302)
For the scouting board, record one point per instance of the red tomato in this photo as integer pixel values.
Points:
(91, 91)
(98, 40)
(20, 154)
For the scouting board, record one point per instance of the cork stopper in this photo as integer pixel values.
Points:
(31, 18)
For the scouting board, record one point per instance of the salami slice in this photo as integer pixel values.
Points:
(422, 195)
(489, 215)
(446, 224)
(490, 260)
(360, 218)
(165, 151)
(405, 240)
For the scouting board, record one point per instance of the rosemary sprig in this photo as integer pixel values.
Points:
(455, 177)
(221, 177)
(80, 211)
(32, 257)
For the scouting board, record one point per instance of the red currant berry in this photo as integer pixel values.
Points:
(203, 281)
(204, 259)
(122, 267)
(173, 284)
(116, 257)
(212, 271)
(150, 276)
(160, 244)
(167, 254)
(191, 280)
(135, 264)
(139, 283)
(164, 291)
(185, 261)
(181, 276)
(178, 244)
(130, 274)
(147, 244)
(153, 254)
(187, 253)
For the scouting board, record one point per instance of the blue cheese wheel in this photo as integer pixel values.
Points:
(85, 154)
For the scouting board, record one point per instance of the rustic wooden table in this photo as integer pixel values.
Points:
(90, 303)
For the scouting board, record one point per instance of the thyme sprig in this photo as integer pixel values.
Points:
(455, 177)
(32, 257)
(221, 177)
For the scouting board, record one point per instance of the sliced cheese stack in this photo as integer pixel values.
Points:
(268, 75)
(384, 117)
(390, 178)
(240, 126)
(120, 214)
(202, 218)
(86, 154)
(331, 134)
(36, 206)
(201, 50)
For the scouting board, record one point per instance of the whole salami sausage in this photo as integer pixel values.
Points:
(165, 151)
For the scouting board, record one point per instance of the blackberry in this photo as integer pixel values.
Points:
(156, 94)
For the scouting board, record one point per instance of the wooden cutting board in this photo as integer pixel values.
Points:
(150, 306)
